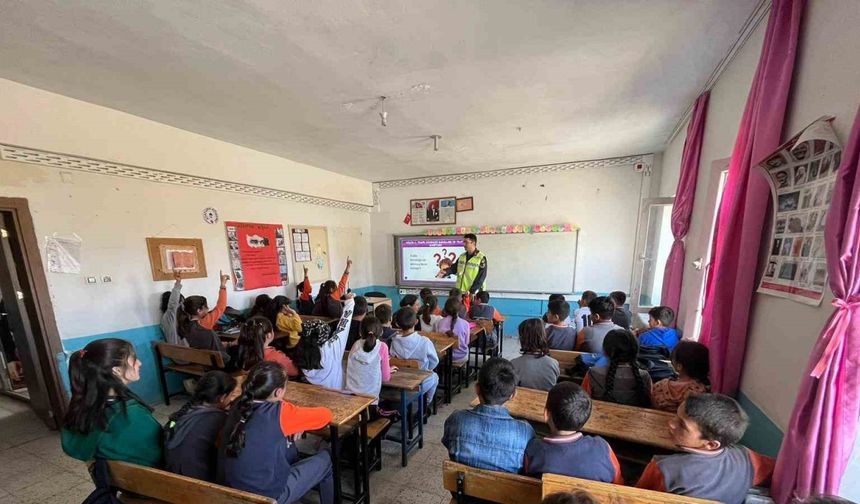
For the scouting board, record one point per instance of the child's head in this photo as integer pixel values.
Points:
(383, 314)
(327, 288)
(708, 422)
(261, 304)
(553, 297)
(586, 298)
(102, 369)
(558, 311)
(601, 308)
(276, 306)
(405, 320)
(213, 388)
(267, 381)
(661, 316)
(424, 293)
(455, 293)
(410, 301)
(575, 497)
(371, 330)
(621, 348)
(255, 335)
(315, 334)
(497, 382)
(691, 359)
(360, 308)
(427, 309)
(453, 306)
(618, 298)
(482, 297)
(533, 337)
(568, 407)
(195, 306)
(165, 300)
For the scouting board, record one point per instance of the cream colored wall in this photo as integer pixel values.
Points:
(826, 81)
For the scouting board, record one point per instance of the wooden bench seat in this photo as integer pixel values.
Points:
(184, 360)
(156, 486)
(613, 494)
(504, 488)
(566, 359)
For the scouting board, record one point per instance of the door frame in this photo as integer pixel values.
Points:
(641, 242)
(46, 333)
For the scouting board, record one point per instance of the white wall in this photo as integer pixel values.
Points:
(604, 202)
(826, 81)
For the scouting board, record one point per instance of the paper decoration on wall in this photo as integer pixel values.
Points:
(258, 255)
(504, 229)
(310, 250)
(465, 204)
(801, 173)
(301, 245)
(182, 254)
(63, 254)
(427, 212)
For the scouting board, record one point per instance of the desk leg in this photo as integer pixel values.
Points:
(403, 428)
(421, 419)
(364, 417)
(449, 376)
(335, 463)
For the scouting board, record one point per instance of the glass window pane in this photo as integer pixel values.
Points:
(658, 243)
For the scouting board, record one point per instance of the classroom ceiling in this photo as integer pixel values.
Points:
(505, 83)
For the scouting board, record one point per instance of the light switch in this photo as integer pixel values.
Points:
(91, 280)
(106, 279)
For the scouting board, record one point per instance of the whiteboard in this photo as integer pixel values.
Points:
(541, 263)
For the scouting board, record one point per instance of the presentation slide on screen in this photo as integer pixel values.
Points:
(420, 257)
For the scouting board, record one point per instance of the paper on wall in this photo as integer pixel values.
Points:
(63, 254)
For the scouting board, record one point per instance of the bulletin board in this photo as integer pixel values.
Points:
(310, 249)
(182, 254)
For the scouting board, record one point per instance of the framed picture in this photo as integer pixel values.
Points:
(182, 254)
(433, 211)
(466, 204)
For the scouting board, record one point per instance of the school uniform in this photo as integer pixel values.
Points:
(538, 372)
(624, 388)
(267, 464)
(590, 339)
(461, 332)
(576, 455)
(666, 337)
(365, 371)
(560, 338)
(482, 311)
(132, 435)
(622, 317)
(190, 448)
(725, 475)
(420, 348)
(330, 375)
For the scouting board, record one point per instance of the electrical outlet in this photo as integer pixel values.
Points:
(91, 280)
(106, 279)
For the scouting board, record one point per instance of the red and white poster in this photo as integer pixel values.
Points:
(258, 255)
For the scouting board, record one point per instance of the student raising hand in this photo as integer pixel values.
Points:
(224, 279)
(177, 275)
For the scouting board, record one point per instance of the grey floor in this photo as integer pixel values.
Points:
(34, 469)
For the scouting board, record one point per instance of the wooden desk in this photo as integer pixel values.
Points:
(608, 492)
(566, 359)
(444, 349)
(327, 320)
(408, 380)
(373, 302)
(628, 423)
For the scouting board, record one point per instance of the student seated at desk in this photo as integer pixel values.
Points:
(487, 437)
(284, 319)
(411, 345)
(691, 360)
(411, 301)
(254, 347)
(659, 334)
(305, 303)
(575, 497)
(590, 338)
(171, 311)
(327, 303)
(358, 314)
(708, 428)
(557, 297)
(559, 335)
(567, 451)
(482, 310)
(257, 451)
(260, 306)
(196, 324)
(535, 368)
(427, 316)
(424, 294)
(456, 327)
(320, 351)
(621, 381)
(582, 314)
(463, 298)
(383, 315)
(367, 366)
(105, 419)
(621, 316)
(191, 432)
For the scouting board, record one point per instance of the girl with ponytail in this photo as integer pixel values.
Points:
(254, 347)
(191, 432)
(367, 366)
(455, 326)
(622, 381)
(257, 453)
(427, 315)
(105, 418)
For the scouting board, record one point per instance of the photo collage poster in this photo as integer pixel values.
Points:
(430, 211)
(258, 255)
(301, 245)
(802, 174)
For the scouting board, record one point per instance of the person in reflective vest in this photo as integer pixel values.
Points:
(470, 267)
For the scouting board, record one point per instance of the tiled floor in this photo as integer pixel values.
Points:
(34, 469)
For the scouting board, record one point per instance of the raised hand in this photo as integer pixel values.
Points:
(224, 278)
(306, 270)
(177, 275)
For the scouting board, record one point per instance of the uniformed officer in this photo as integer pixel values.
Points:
(470, 267)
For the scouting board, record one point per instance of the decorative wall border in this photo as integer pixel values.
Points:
(506, 172)
(504, 229)
(69, 162)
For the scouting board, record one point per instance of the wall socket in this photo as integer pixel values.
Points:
(91, 280)
(106, 279)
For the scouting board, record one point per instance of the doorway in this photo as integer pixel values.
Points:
(653, 246)
(28, 336)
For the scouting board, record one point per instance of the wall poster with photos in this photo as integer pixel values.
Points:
(433, 211)
(802, 173)
(258, 255)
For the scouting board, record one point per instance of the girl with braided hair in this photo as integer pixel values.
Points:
(190, 433)
(105, 419)
(622, 381)
(255, 339)
(257, 453)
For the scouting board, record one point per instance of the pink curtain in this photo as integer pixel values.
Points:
(685, 195)
(823, 423)
(745, 201)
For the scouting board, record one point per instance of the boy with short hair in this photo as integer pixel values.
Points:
(487, 437)
(567, 451)
(659, 333)
(708, 427)
(583, 313)
(383, 315)
(554, 297)
(621, 316)
(559, 335)
(590, 338)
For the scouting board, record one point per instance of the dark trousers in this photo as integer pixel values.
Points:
(307, 474)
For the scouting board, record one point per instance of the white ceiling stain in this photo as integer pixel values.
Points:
(505, 83)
